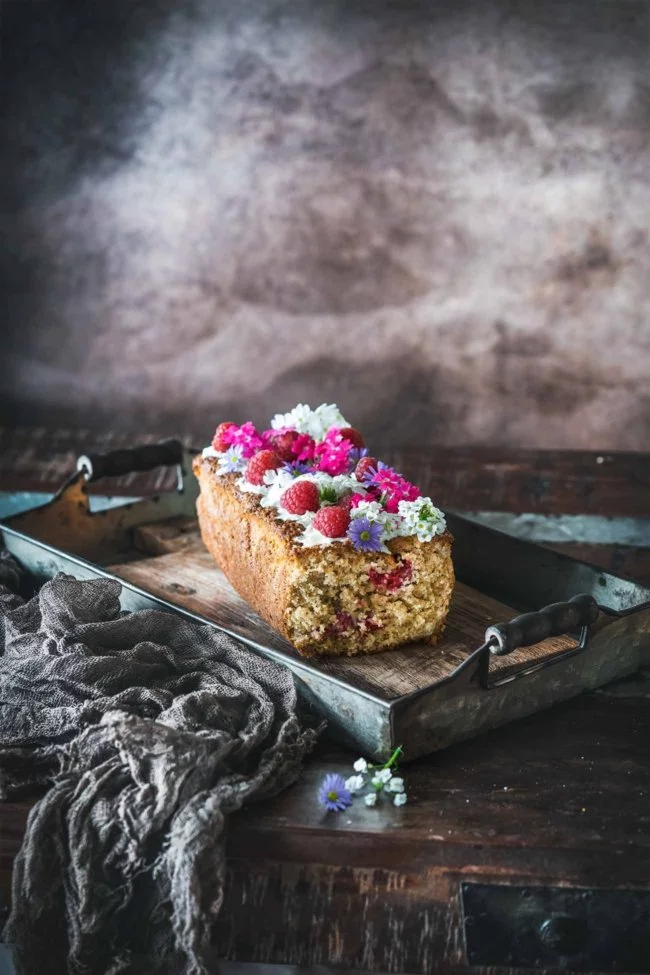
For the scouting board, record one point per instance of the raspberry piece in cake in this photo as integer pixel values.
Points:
(332, 522)
(301, 498)
(259, 464)
(394, 580)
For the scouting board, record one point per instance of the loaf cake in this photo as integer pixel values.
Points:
(336, 550)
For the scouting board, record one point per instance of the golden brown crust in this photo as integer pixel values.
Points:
(322, 599)
(250, 547)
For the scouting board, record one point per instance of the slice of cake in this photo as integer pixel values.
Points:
(337, 551)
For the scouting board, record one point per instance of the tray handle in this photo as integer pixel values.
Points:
(166, 453)
(554, 620)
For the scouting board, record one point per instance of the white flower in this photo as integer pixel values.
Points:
(360, 765)
(298, 418)
(373, 511)
(370, 799)
(355, 783)
(381, 777)
(421, 518)
(395, 785)
(316, 422)
(400, 799)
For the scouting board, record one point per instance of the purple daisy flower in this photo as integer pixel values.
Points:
(355, 456)
(365, 535)
(333, 795)
(297, 467)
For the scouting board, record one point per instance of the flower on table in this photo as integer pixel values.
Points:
(381, 778)
(366, 535)
(355, 784)
(336, 793)
(395, 784)
(333, 793)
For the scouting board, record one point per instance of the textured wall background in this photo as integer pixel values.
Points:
(434, 213)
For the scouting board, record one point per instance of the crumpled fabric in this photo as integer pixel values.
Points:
(148, 732)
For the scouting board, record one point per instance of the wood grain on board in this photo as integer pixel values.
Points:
(187, 576)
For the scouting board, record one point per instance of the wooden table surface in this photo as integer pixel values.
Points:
(558, 799)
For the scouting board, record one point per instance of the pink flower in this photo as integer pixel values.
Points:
(392, 487)
(333, 453)
(266, 436)
(245, 437)
(303, 447)
(356, 499)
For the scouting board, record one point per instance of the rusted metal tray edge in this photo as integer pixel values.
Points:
(456, 708)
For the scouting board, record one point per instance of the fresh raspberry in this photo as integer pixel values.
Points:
(219, 442)
(364, 465)
(346, 502)
(349, 501)
(300, 498)
(332, 521)
(283, 444)
(259, 464)
(355, 438)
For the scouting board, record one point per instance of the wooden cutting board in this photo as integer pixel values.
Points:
(181, 571)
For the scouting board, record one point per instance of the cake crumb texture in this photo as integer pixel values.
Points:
(326, 600)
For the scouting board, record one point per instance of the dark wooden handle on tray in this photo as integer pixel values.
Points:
(144, 458)
(553, 620)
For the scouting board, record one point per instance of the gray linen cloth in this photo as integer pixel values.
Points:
(149, 731)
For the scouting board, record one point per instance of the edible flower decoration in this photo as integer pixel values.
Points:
(245, 437)
(296, 467)
(337, 793)
(342, 495)
(366, 535)
(333, 453)
(232, 460)
(390, 486)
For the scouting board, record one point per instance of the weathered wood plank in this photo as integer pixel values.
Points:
(461, 478)
(558, 798)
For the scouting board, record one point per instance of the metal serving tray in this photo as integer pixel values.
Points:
(420, 697)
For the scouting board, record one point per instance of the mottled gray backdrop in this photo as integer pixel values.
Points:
(436, 214)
